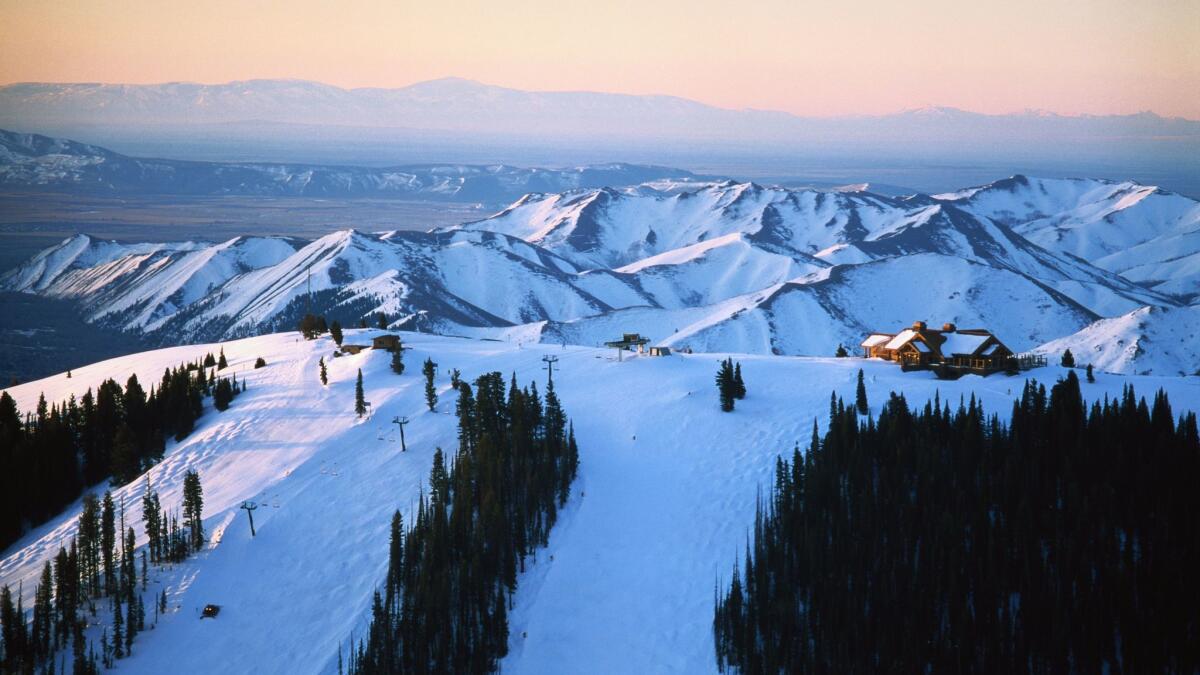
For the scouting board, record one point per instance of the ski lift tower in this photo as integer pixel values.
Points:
(400, 422)
(628, 341)
(550, 361)
(250, 506)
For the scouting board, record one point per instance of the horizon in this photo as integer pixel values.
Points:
(928, 107)
(1102, 58)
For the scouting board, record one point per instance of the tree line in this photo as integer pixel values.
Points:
(451, 576)
(1063, 541)
(50, 455)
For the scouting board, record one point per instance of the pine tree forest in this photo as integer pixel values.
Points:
(443, 605)
(98, 576)
(1066, 540)
(50, 455)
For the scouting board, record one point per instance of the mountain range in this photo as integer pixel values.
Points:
(717, 266)
(37, 162)
(456, 104)
(455, 120)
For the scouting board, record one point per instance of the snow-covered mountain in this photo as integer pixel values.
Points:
(639, 228)
(716, 266)
(1146, 341)
(33, 161)
(1146, 234)
(658, 512)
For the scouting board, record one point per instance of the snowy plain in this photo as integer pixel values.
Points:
(659, 512)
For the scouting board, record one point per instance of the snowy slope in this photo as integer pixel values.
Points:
(659, 512)
(1146, 341)
(815, 313)
(1147, 234)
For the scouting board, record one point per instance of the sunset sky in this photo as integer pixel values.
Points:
(1071, 57)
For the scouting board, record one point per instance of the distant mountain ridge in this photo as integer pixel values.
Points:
(720, 266)
(456, 104)
(33, 161)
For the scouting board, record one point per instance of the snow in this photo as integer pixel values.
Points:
(1149, 340)
(874, 340)
(1122, 227)
(961, 343)
(901, 338)
(660, 511)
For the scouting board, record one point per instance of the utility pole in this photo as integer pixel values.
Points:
(250, 506)
(550, 361)
(400, 422)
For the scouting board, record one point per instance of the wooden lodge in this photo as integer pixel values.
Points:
(950, 352)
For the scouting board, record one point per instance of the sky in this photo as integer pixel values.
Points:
(808, 58)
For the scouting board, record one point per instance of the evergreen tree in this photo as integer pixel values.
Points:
(1068, 359)
(360, 403)
(222, 394)
(431, 396)
(383, 322)
(1091, 377)
(12, 628)
(222, 364)
(841, 352)
(209, 360)
(260, 362)
(89, 546)
(193, 508)
(739, 386)
(398, 360)
(335, 331)
(152, 519)
(311, 326)
(324, 372)
(108, 541)
(118, 637)
(860, 395)
(362, 323)
(125, 463)
(726, 385)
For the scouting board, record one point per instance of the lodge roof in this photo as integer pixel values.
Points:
(944, 343)
(876, 339)
(902, 338)
(963, 344)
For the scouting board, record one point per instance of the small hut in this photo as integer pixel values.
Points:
(353, 349)
(660, 351)
(389, 342)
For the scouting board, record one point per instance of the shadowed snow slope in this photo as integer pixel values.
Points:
(666, 490)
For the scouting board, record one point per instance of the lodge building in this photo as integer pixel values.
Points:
(950, 352)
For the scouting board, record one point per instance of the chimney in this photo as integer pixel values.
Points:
(947, 328)
(918, 325)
